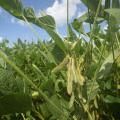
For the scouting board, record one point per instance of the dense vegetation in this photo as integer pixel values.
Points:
(63, 79)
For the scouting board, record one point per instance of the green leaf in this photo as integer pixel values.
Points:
(29, 13)
(92, 89)
(48, 110)
(13, 6)
(83, 18)
(78, 26)
(115, 12)
(15, 103)
(58, 40)
(2, 63)
(62, 104)
(72, 35)
(111, 99)
(46, 22)
(91, 4)
(45, 110)
(106, 67)
(56, 52)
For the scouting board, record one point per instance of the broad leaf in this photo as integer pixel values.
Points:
(107, 65)
(111, 99)
(115, 12)
(62, 104)
(58, 40)
(15, 8)
(78, 26)
(15, 103)
(45, 22)
(91, 4)
(92, 89)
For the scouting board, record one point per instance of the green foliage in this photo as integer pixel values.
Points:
(115, 12)
(16, 8)
(91, 4)
(64, 79)
(15, 103)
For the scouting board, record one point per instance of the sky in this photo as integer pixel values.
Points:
(12, 28)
